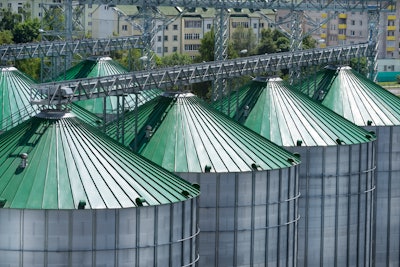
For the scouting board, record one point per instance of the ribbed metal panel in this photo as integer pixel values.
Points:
(248, 212)
(336, 174)
(81, 199)
(14, 97)
(369, 105)
(162, 235)
(64, 153)
(105, 66)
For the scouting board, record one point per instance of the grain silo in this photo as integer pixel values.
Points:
(70, 196)
(249, 188)
(372, 107)
(107, 107)
(15, 97)
(336, 174)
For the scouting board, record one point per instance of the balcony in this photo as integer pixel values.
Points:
(323, 35)
(390, 49)
(342, 16)
(391, 28)
(391, 38)
(323, 26)
(391, 17)
(342, 26)
(341, 37)
(324, 15)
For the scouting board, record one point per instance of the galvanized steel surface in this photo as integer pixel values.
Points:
(337, 185)
(162, 235)
(68, 162)
(248, 218)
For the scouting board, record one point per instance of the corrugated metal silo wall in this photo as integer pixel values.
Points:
(164, 235)
(336, 184)
(387, 214)
(249, 218)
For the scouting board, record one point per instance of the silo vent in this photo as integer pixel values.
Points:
(246, 111)
(299, 142)
(291, 160)
(24, 160)
(255, 166)
(81, 205)
(339, 141)
(197, 186)
(368, 136)
(207, 168)
(2, 202)
(149, 131)
(185, 193)
(139, 201)
(297, 155)
(369, 122)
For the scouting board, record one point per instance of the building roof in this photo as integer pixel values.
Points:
(356, 98)
(97, 66)
(15, 97)
(286, 117)
(190, 136)
(69, 162)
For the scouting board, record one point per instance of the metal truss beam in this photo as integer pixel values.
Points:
(327, 5)
(167, 78)
(63, 48)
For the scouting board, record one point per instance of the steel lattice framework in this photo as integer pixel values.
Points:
(55, 93)
(63, 48)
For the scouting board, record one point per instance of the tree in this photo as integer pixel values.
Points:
(9, 20)
(267, 44)
(27, 31)
(175, 59)
(243, 40)
(206, 49)
(6, 37)
(308, 42)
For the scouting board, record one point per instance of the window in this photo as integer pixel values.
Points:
(89, 23)
(243, 24)
(192, 47)
(166, 38)
(192, 23)
(360, 22)
(352, 33)
(175, 27)
(353, 22)
(209, 26)
(124, 27)
(175, 37)
(255, 25)
(174, 49)
(192, 36)
(9, 5)
(40, 14)
(166, 27)
(159, 50)
(158, 38)
(165, 49)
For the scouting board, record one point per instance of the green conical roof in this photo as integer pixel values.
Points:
(69, 162)
(104, 66)
(188, 135)
(288, 118)
(357, 98)
(15, 97)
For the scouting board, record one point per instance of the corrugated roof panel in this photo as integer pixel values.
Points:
(69, 161)
(14, 97)
(188, 135)
(360, 100)
(285, 116)
(104, 66)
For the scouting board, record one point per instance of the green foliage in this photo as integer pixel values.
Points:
(6, 37)
(360, 65)
(9, 20)
(243, 40)
(26, 31)
(309, 42)
(206, 49)
(175, 59)
(30, 67)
